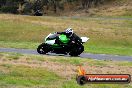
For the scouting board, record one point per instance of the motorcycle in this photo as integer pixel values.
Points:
(64, 46)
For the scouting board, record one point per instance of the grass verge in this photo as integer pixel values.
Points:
(35, 71)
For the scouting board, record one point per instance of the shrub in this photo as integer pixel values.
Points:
(9, 9)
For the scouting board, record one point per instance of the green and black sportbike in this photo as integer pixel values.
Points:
(64, 46)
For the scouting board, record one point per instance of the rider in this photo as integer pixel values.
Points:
(70, 34)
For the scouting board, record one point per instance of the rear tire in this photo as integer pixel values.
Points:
(43, 48)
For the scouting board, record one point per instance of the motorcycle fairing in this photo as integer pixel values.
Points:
(63, 38)
(84, 39)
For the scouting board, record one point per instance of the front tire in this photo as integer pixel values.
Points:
(42, 48)
(77, 50)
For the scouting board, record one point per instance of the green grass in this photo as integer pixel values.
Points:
(77, 61)
(109, 36)
(22, 45)
(14, 56)
(65, 60)
(19, 73)
(118, 50)
(26, 76)
(72, 84)
(125, 64)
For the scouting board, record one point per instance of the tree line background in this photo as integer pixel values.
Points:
(46, 6)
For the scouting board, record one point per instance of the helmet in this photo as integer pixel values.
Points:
(69, 31)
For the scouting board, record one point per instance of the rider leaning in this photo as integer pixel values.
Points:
(70, 34)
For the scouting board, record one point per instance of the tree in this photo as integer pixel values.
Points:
(86, 3)
(2, 3)
(20, 4)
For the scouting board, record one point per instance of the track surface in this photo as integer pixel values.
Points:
(83, 55)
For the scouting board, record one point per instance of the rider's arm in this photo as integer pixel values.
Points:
(77, 38)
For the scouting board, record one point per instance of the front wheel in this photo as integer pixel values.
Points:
(77, 50)
(42, 49)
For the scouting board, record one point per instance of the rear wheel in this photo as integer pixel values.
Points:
(43, 48)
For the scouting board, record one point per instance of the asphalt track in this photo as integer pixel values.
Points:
(83, 55)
